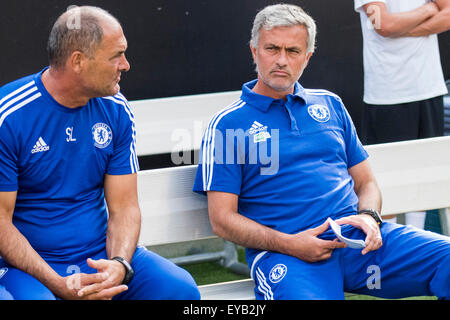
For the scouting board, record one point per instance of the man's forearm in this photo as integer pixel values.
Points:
(243, 231)
(304, 245)
(369, 196)
(397, 24)
(437, 24)
(123, 233)
(17, 251)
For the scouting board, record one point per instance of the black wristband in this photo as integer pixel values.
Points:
(374, 214)
(129, 272)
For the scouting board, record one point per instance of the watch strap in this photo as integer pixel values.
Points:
(129, 272)
(374, 214)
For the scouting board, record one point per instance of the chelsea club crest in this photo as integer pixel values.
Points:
(102, 135)
(277, 273)
(319, 112)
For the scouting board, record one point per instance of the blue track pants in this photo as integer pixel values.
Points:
(411, 262)
(155, 278)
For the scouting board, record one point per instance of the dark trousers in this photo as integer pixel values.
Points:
(406, 121)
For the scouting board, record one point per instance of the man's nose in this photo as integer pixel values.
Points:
(282, 58)
(124, 65)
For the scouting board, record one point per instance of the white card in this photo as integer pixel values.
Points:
(351, 243)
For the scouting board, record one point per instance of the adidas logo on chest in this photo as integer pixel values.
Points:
(40, 146)
(259, 132)
(257, 127)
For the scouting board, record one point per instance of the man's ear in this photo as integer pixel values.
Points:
(76, 61)
(253, 50)
(308, 56)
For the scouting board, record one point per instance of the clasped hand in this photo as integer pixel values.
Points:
(103, 285)
(369, 226)
(308, 247)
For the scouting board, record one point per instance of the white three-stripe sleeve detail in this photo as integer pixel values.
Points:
(321, 92)
(20, 97)
(208, 147)
(206, 143)
(133, 158)
(211, 164)
(29, 84)
(18, 106)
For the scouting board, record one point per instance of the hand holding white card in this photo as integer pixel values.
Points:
(351, 243)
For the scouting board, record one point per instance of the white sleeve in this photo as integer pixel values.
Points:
(360, 3)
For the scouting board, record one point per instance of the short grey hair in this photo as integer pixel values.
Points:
(79, 28)
(284, 15)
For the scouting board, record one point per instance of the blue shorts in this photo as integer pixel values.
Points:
(411, 262)
(155, 278)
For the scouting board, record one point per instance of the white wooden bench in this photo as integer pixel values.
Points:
(412, 175)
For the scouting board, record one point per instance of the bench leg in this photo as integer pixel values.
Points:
(231, 262)
(444, 213)
(401, 218)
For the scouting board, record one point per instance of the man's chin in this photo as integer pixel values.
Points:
(115, 90)
(111, 92)
(280, 87)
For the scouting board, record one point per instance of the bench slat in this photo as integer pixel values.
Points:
(231, 290)
(171, 212)
(412, 175)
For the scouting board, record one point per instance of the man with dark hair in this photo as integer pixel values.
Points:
(67, 34)
(69, 213)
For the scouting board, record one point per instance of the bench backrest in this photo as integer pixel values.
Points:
(171, 211)
(177, 123)
(412, 175)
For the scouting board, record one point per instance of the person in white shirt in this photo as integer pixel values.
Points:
(403, 80)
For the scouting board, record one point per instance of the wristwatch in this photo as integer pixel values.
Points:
(129, 272)
(374, 214)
